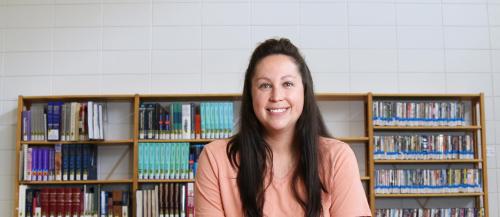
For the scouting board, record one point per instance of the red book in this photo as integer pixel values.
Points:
(60, 202)
(197, 125)
(75, 200)
(44, 201)
(117, 203)
(67, 202)
(53, 201)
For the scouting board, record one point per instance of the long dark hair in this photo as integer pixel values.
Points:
(249, 153)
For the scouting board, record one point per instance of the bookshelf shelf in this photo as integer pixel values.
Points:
(177, 140)
(441, 128)
(353, 139)
(365, 178)
(121, 181)
(94, 142)
(426, 161)
(166, 181)
(429, 195)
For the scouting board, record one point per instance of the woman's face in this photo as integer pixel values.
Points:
(277, 93)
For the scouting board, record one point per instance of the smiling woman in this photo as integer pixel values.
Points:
(282, 161)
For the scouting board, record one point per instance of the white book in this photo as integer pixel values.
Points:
(101, 124)
(90, 119)
(26, 162)
(95, 121)
(22, 201)
(72, 123)
(139, 205)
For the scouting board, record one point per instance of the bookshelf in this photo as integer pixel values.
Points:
(364, 140)
(472, 128)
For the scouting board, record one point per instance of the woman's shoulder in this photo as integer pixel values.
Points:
(331, 146)
(216, 148)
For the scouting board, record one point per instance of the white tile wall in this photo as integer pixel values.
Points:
(66, 39)
(467, 37)
(77, 63)
(126, 62)
(321, 37)
(413, 82)
(174, 46)
(85, 15)
(327, 60)
(468, 61)
(425, 60)
(176, 61)
(420, 37)
(178, 13)
(373, 60)
(323, 14)
(494, 14)
(225, 61)
(226, 14)
(28, 39)
(226, 37)
(373, 37)
(127, 14)
(177, 37)
(39, 63)
(76, 84)
(495, 59)
(117, 38)
(372, 14)
(273, 13)
(419, 14)
(261, 33)
(465, 14)
(19, 16)
(495, 37)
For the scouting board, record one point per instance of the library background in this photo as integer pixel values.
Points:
(105, 105)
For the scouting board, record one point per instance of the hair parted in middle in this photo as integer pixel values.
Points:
(249, 152)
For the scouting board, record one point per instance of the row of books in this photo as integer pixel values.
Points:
(63, 121)
(418, 113)
(206, 120)
(431, 212)
(59, 162)
(84, 201)
(423, 146)
(419, 181)
(168, 160)
(166, 200)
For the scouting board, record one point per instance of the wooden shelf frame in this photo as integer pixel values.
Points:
(478, 128)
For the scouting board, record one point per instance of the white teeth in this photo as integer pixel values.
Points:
(277, 110)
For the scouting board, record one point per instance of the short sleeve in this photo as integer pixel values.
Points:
(348, 195)
(207, 191)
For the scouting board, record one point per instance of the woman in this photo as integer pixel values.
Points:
(281, 162)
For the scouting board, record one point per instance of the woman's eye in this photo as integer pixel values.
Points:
(288, 84)
(265, 85)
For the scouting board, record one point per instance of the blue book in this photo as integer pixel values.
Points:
(72, 158)
(65, 162)
(85, 161)
(45, 164)
(78, 161)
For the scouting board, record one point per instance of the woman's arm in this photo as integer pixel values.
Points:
(208, 201)
(348, 195)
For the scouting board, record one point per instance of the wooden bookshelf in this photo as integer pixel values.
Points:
(477, 127)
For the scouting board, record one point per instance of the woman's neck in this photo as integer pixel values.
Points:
(281, 143)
